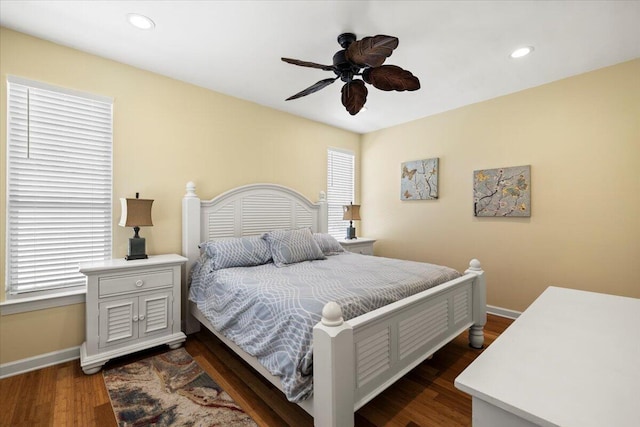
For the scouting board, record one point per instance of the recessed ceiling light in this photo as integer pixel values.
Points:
(140, 21)
(522, 51)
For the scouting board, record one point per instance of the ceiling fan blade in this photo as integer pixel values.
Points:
(354, 95)
(313, 88)
(371, 51)
(391, 77)
(308, 64)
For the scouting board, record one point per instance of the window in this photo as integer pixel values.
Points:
(340, 188)
(59, 145)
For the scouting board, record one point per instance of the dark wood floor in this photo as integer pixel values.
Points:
(62, 395)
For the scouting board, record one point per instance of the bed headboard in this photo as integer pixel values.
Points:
(245, 211)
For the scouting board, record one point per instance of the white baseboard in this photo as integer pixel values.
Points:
(38, 362)
(502, 312)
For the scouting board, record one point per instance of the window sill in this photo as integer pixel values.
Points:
(43, 302)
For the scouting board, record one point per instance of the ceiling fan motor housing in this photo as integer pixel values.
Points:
(345, 39)
(343, 68)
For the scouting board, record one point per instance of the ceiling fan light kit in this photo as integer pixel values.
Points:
(361, 58)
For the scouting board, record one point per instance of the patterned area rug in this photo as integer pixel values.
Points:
(170, 390)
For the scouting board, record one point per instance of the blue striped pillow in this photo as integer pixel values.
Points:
(237, 252)
(292, 246)
(328, 244)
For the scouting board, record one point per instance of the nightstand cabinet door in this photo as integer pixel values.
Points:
(116, 322)
(155, 314)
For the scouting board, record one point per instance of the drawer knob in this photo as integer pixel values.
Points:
(139, 283)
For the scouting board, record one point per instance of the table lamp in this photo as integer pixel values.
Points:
(351, 213)
(136, 213)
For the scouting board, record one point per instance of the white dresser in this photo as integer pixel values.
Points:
(131, 306)
(572, 359)
(361, 245)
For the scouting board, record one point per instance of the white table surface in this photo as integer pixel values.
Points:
(571, 359)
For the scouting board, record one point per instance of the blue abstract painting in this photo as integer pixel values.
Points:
(419, 180)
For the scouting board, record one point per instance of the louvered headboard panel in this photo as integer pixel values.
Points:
(256, 209)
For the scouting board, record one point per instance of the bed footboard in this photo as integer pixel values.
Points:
(356, 360)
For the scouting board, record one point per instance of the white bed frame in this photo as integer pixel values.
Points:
(382, 345)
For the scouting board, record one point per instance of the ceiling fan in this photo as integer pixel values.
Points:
(361, 58)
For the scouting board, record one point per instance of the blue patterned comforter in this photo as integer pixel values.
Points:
(270, 312)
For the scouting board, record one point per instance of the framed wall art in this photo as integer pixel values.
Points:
(502, 192)
(419, 180)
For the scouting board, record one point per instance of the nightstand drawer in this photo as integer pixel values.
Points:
(114, 285)
(364, 249)
(361, 245)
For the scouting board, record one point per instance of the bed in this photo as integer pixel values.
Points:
(380, 345)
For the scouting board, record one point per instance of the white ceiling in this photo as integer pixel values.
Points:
(458, 49)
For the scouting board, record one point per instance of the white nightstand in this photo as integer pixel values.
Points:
(361, 245)
(131, 306)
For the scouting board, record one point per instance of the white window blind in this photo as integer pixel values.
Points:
(340, 189)
(59, 152)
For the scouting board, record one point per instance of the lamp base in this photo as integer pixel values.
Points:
(137, 249)
(132, 257)
(351, 233)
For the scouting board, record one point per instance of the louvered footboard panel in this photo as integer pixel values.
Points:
(388, 345)
(422, 327)
(374, 355)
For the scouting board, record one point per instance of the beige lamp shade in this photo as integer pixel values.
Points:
(351, 212)
(136, 213)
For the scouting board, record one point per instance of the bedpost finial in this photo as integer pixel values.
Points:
(475, 265)
(191, 189)
(332, 314)
(323, 196)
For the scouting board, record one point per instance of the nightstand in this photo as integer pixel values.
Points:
(361, 245)
(130, 306)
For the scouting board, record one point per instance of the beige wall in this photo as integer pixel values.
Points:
(165, 133)
(581, 137)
